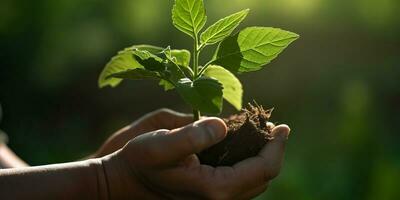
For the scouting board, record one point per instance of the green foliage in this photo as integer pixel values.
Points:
(189, 16)
(136, 74)
(252, 48)
(204, 94)
(204, 88)
(182, 57)
(222, 28)
(233, 90)
(123, 61)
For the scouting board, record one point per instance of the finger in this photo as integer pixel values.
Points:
(170, 147)
(258, 170)
(167, 119)
(254, 192)
(159, 119)
(274, 151)
(270, 126)
(190, 161)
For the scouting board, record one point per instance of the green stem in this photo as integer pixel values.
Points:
(196, 53)
(195, 58)
(196, 115)
(205, 67)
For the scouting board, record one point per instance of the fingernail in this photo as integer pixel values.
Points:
(281, 132)
(214, 126)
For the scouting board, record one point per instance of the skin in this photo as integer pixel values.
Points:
(154, 158)
(8, 159)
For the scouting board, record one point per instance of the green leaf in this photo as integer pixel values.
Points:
(136, 74)
(222, 28)
(172, 74)
(204, 94)
(123, 61)
(182, 57)
(233, 91)
(166, 85)
(252, 48)
(189, 16)
(177, 66)
(145, 47)
(148, 60)
(127, 60)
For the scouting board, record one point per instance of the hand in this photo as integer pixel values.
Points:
(160, 119)
(162, 165)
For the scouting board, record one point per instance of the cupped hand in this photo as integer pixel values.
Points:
(159, 119)
(162, 165)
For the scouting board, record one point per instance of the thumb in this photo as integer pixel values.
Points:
(169, 147)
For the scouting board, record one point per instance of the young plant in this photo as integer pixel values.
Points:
(202, 86)
(205, 86)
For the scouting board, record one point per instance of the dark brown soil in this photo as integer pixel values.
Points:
(247, 134)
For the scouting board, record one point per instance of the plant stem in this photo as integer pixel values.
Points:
(196, 115)
(195, 58)
(205, 67)
(196, 53)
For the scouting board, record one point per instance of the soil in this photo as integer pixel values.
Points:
(247, 134)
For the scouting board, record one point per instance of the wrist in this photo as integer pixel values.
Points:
(101, 179)
(117, 177)
(122, 181)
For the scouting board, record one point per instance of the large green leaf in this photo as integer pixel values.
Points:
(233, 91)
(189, 16)
(252, 48)
(204, 94)
(222, 28)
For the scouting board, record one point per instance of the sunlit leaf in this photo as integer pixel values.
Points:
(122, 62)
(222, 28)
(128, 59)
(189, 16)
(252, 48)
(182, 57)
(233, 91)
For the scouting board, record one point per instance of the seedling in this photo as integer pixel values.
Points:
(204, 87)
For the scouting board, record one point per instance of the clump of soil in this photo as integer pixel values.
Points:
(247, 134)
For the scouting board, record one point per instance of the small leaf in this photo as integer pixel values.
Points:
(166, 85)
(189, 16)
(136, 74)
(173, 74)
(222, 28)
(204, 94)
(182, 57)
(252, 48)
(233, 90)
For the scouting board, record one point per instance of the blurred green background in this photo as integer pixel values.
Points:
(338, 87)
